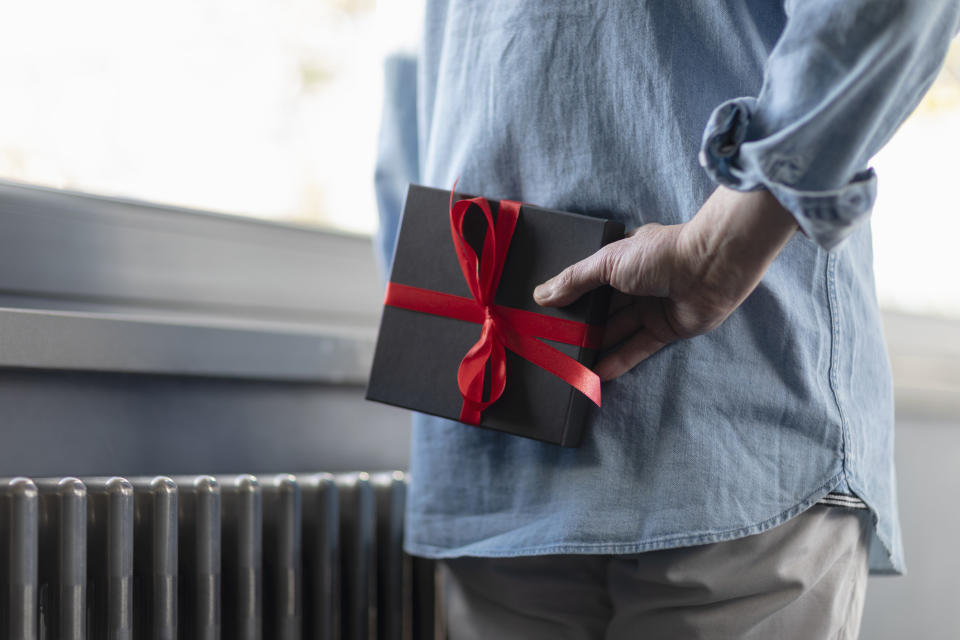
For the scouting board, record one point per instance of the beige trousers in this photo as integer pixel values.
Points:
(803, 580)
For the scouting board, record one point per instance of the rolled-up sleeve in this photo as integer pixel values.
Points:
(842, 77)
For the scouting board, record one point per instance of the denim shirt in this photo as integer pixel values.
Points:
(635, 111)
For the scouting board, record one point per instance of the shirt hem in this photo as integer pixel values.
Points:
(479, 549)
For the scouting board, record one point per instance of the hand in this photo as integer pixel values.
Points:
(677, 281)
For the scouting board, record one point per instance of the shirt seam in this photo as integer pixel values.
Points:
(833, 306)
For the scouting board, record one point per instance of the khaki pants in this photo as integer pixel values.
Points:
(805, 579)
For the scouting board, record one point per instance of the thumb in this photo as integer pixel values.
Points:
(575, 280)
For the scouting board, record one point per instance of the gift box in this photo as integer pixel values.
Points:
(461, 336)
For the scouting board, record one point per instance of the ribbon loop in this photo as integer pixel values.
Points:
(482, 274)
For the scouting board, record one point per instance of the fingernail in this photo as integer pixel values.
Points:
(543, 292)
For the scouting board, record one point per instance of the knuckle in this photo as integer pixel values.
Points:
(566, 278)
(609, 260)
(608, 264)
(578, 273)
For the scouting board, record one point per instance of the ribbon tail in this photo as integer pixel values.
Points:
(559, 364)
(470, 413)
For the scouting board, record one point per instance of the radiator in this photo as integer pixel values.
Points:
(284, 557)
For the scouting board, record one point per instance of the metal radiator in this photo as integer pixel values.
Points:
(285, 557)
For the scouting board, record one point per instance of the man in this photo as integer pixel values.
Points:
(738, 481)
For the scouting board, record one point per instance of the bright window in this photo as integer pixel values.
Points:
(916, 221)
(271, 109)
(242, 106)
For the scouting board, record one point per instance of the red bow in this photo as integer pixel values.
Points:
(503, 327)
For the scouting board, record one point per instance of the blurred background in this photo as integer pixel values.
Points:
(269, 111)
(272, 111)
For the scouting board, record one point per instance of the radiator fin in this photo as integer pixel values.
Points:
(19, 579)
(314, 556)
(110, 558)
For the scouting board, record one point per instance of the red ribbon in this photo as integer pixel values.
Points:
(502, 327)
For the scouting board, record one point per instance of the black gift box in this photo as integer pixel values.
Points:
(418, 354)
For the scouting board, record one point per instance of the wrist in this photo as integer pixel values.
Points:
(733, 239)
(744, 226)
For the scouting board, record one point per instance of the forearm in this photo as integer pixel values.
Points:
(841, 79)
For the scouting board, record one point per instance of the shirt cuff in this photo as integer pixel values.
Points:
(826, 216)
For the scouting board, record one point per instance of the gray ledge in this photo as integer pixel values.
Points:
(120, 343)
(108, 284)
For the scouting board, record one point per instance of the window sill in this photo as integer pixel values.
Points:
(107, 284)
(102, 342)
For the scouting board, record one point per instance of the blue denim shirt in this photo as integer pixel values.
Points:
(635, 110)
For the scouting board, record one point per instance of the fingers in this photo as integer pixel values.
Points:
(641, 346)
(642, 263)
(575, 280)
(640, 330)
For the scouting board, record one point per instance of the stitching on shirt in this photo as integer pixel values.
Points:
(663, 542)
(894, 566)
(833, 305)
